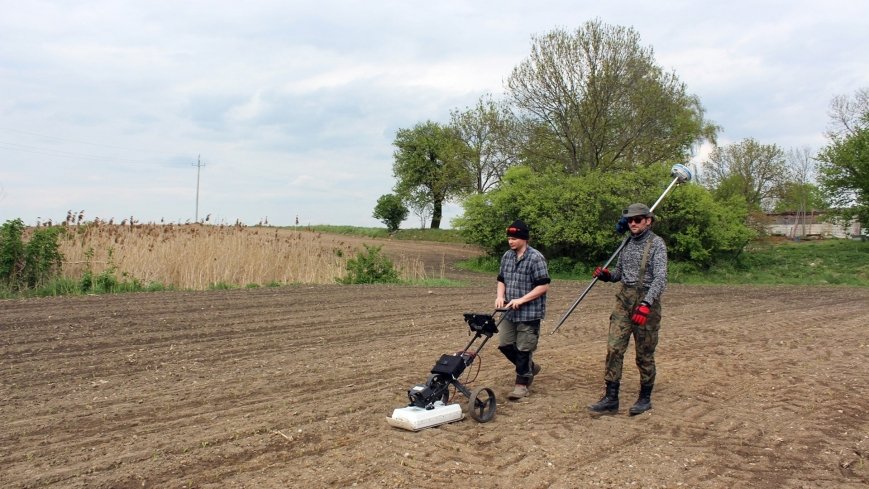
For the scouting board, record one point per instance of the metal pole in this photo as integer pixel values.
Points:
(587, 289)
(681, 174)
(198, 170)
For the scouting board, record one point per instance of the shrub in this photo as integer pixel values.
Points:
(43, 260)
(370, 266)
(32, 264)
(574, 216)
(11, 252)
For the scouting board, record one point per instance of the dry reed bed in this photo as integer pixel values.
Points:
(196, 256)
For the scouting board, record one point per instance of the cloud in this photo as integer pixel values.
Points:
(293, 106)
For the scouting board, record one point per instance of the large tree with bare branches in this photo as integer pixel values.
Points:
(849, 114)
(755, 171)
(595, 98)
(488, 131)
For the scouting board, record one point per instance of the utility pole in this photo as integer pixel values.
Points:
(199, 164)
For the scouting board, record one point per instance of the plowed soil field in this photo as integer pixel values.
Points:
(758, 387)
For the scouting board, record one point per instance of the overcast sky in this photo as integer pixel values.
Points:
(292, 106)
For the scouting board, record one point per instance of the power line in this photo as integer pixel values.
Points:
(58, 138)
(66, 154)
(48, 149)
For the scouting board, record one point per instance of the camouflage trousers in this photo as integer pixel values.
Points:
(621, 330)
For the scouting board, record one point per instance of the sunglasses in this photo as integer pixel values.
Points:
(636, 219)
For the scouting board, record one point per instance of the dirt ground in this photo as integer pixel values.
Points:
(758, 387)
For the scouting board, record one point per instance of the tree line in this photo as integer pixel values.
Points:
(589, 123)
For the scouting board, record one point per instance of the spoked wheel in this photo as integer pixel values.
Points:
(438, 383)
(481, 404)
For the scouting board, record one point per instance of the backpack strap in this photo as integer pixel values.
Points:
(644, 262)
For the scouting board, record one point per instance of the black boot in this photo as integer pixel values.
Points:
(609, 403)
(524, 368)
(644, 402)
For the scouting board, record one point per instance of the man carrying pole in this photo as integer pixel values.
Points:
(638, 309)
(642, 271)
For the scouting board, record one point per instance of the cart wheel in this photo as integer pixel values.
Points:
(438, 383)
(481, 404)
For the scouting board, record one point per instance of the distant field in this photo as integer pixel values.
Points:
(435, 235)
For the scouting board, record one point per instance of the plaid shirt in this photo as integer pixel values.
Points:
(520, 277)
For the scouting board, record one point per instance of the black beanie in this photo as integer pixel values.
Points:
(518, 230)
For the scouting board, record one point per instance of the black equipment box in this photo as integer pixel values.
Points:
(452, 365)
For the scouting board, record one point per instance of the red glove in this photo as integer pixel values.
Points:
(602, 274)
(641, 313)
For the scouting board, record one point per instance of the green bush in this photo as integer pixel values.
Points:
(32, 264)
(370, 266)
(11, 252)
(574, 216)
(43, 260)
(560, 265)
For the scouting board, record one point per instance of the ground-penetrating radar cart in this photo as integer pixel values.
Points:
(429, 401)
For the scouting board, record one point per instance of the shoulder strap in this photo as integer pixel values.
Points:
(643, 263)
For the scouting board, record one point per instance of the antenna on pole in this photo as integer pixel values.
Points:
(199, 164)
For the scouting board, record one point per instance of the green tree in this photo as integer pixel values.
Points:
(390, 210)
(756, 172)
(844, 174)
(800, 197)
(595, 99)
(428, 168)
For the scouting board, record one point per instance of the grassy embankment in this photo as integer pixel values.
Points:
(767, 261)
(436, 235)
(816, 262)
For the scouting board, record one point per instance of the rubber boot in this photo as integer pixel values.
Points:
(644, 402)
(609, 403)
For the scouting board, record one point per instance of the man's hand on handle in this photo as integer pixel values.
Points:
(501, 303)
(514, 304)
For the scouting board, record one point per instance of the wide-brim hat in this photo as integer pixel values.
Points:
(637, 210)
